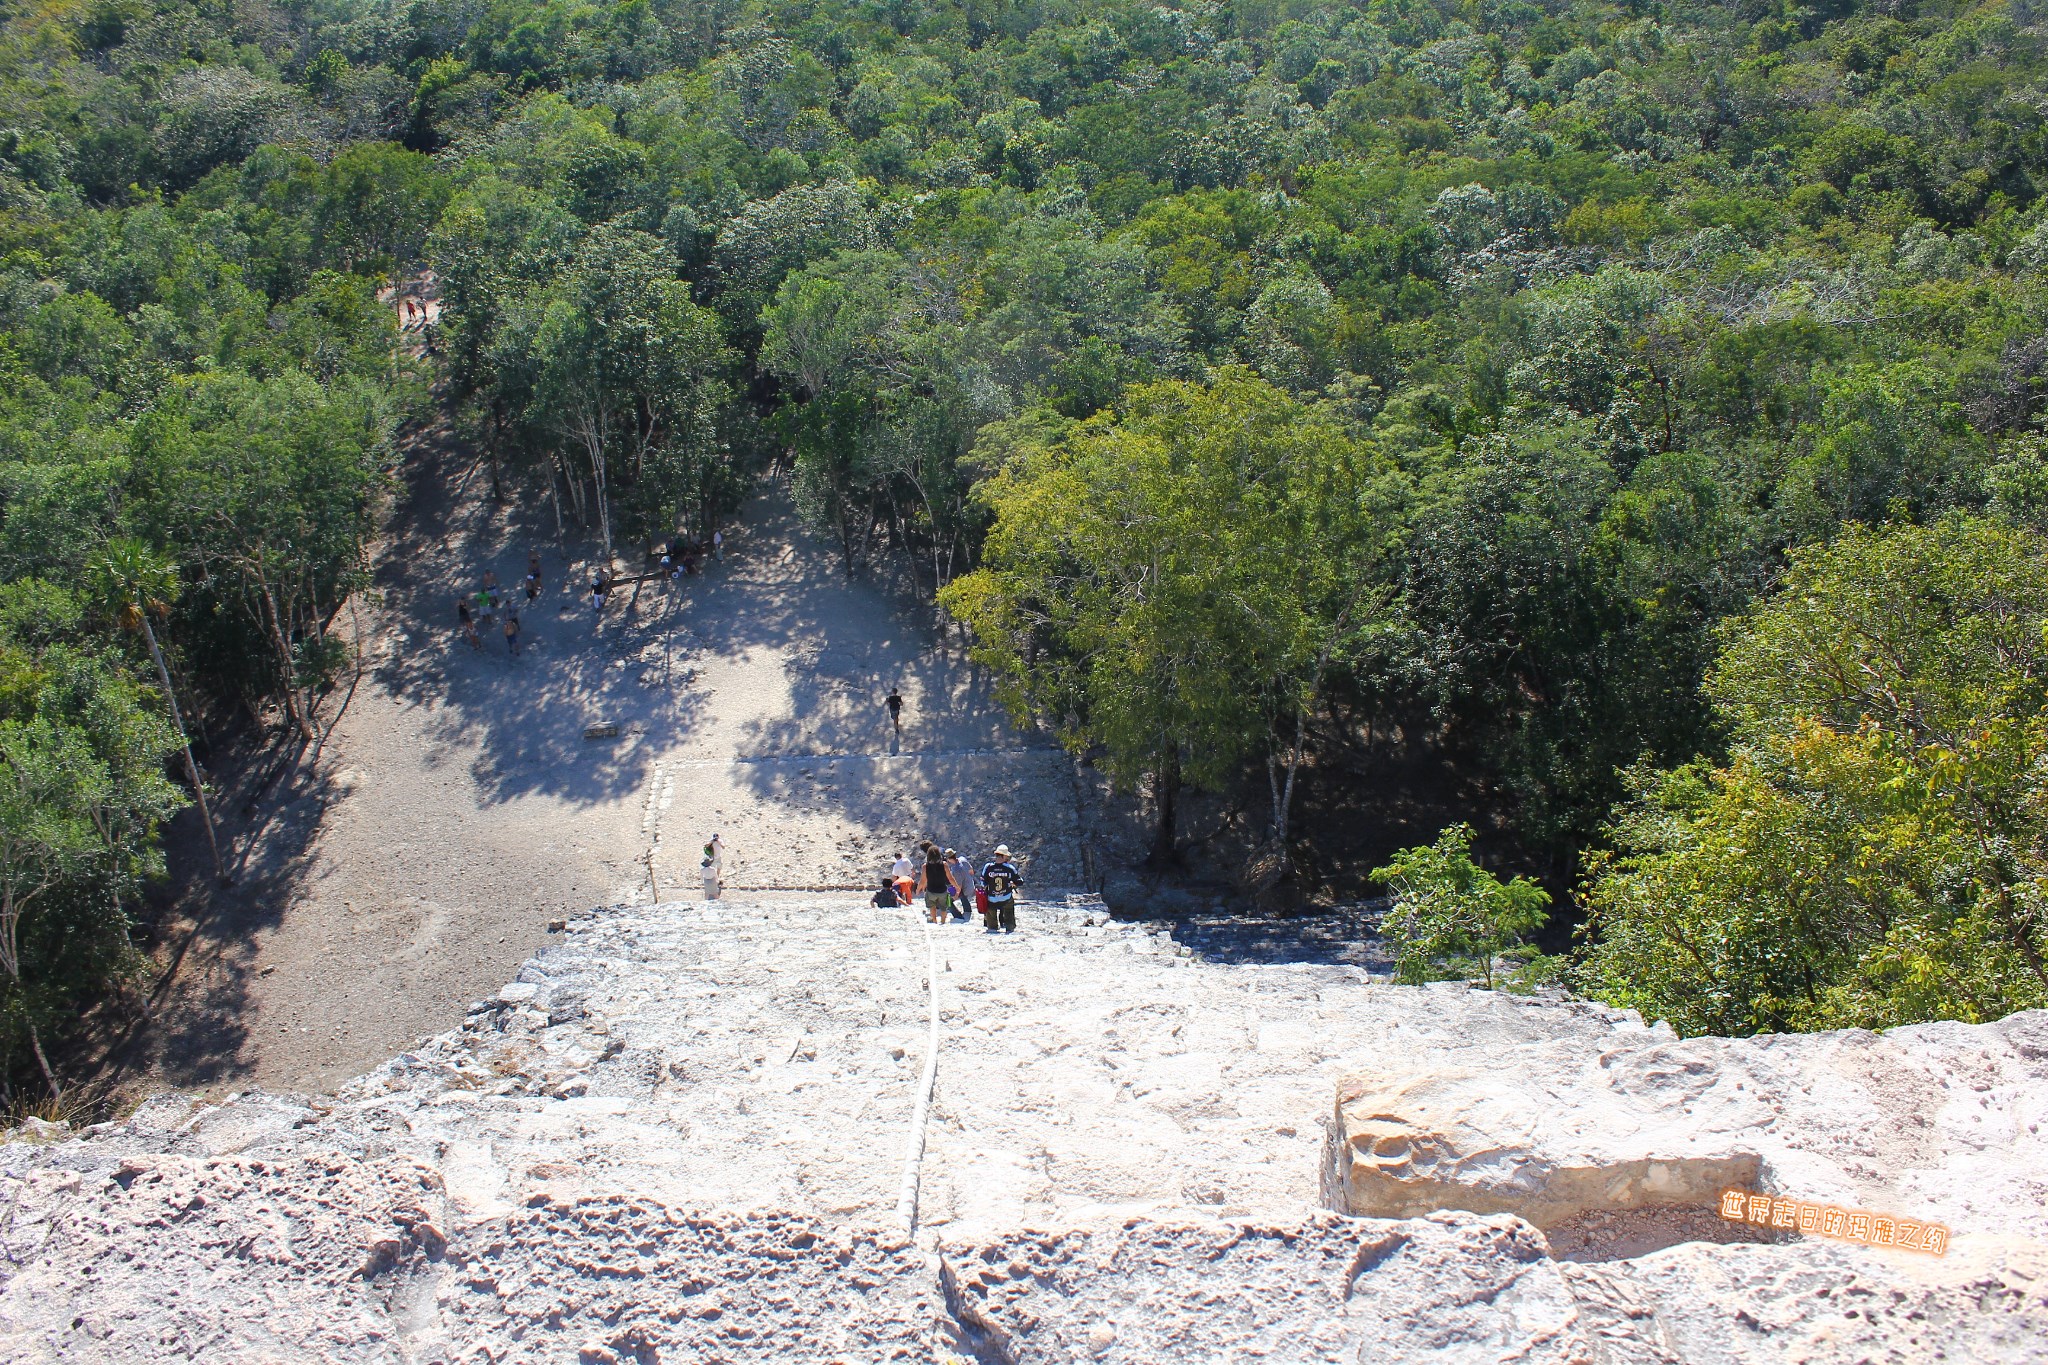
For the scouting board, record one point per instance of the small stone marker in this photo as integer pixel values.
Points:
(603, 730)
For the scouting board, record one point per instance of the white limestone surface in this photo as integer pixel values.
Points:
(680, 1136)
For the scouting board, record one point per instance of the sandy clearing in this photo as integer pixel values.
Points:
(457, 807)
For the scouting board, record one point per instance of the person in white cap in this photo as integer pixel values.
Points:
(999, 882)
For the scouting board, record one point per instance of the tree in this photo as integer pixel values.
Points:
(1452, 914)
(1875, 852)
(887, 398)
(496, 241)
(140, 585)
(82, 793)
(267, 483)
(769, 239)
(625, 369)
(375, 205)
(48, 781)
(1175, 580)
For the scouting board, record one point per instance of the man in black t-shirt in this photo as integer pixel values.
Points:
(1000, 880)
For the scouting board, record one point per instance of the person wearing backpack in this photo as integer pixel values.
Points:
(999, 882)
(935, 881)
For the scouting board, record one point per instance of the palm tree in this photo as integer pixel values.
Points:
(141, 584)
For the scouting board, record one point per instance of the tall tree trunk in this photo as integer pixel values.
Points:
(1166, 796)
(185, 741)
(1283, 795)
(11, 907)
(35, 1041)
(491, 447)
(573, 481)
(555, 501)
(283, 647)
(595, 449)
(844, 520)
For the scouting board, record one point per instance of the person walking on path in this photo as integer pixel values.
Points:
(468, 621)
(486, 606)
(718, 546)
(962, 873)
(532, 575)
(597, 591)
(512, 631)
(895, 704)
(999, 881)
(714, 867)
(903, 873)
(936, 883)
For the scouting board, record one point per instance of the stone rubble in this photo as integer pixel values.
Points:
(678, 1136)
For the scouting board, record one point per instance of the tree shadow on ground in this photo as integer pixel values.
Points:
(269, 807)
(958, 773)
(525, 716)
(1343, 935)
(517, 724)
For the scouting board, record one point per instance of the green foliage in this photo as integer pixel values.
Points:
(619, 370)
(1604, 316)
(1872, 853)
(1175, 580)
(1451, 917)
(82, 793)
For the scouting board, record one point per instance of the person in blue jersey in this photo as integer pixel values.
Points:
(999, 882)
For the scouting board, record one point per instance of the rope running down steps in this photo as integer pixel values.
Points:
(913, 1146)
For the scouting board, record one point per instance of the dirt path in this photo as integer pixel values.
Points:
(457, 807)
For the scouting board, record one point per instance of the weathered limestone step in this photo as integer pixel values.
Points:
(680, 1132)
(1938, 1123)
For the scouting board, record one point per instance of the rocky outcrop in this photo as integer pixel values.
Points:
(679, 1136)
(1939, 1123)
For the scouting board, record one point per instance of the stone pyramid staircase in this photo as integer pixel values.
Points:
(722, 1132)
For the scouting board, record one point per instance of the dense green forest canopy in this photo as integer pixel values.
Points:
(1526, 381)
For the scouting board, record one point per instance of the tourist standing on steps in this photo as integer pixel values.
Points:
(714, 867)
(903, 874)
(936, 883)
(999, 882)
(962, 873)
(895, 704)
(886, 898)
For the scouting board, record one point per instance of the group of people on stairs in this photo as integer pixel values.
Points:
(943, 878)
(948, 884)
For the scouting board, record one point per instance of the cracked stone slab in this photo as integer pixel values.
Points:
(682, 1140)
(1938, 1122)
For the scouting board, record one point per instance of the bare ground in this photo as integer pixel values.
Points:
(414, 859)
